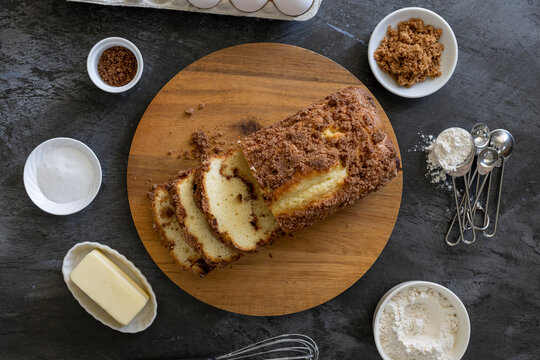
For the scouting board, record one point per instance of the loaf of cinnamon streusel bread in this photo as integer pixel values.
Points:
(322, 158)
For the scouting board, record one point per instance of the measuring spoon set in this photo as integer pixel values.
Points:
(490, 149)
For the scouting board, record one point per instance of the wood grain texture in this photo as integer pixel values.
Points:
(242, 86)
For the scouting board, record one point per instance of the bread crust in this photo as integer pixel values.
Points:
(344, 129)
(191, 239)
(197, 265)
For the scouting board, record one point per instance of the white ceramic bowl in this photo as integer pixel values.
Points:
(464, 330)
(143, 319)
(448, 58)
(95, 54)
(31, 181)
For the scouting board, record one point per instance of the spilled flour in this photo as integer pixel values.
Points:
(434, 172)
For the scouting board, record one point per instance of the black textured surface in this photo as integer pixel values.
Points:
(45, 92)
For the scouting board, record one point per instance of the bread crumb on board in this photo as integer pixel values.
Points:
(203, 146)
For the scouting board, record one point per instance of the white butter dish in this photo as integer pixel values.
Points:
(143, 319)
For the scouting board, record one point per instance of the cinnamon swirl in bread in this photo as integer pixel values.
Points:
(232, 203)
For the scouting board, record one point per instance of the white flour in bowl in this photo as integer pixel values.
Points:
(452, 147)
(418, 323)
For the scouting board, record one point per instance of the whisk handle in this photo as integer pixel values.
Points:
(199, 358)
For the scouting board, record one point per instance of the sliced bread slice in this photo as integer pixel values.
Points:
(192, 220)
(230, 199)
(173, 237)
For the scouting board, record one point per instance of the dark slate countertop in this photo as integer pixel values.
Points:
(45, 92)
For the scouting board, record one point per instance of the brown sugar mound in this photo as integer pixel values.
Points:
(411, 52)
(117, 66)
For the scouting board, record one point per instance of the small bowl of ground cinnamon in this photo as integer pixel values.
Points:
(413, 52)
(115, 64)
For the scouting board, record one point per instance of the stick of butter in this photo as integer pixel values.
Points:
(109, 287)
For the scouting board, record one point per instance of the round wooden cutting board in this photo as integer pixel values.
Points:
(244, 87)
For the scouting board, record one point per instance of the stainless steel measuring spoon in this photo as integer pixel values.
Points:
(481, 135)
(460, 170)
(503, 142)
(486, 161)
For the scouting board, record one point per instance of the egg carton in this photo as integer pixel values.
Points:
(224, 7)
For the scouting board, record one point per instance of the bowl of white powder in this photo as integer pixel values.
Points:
(62, 176)
(421, 320)
(454, 150)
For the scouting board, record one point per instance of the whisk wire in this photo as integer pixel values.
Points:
(303, 345)
(250, 356)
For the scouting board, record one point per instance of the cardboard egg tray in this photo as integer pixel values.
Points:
(225, 7)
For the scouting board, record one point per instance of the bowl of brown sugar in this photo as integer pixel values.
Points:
(413, 52)
(115, 65)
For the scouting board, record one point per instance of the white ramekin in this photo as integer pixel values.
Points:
(95, 54)
(31, 184)
(464, 330)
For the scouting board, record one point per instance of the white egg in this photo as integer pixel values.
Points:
(249, 5)
(204, 4)
(293, 7)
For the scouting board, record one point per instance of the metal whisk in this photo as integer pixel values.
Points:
(282, 347)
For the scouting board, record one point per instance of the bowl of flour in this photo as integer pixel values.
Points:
(421, 320)
(62, 176)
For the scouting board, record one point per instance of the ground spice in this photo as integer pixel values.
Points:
(117, 66)
(410, 53)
